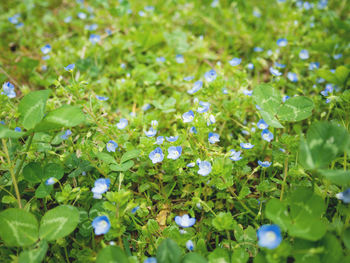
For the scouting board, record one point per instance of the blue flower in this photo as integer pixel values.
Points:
(344, 196)
(101, 98)
(66, 134)
(160, 140)
(185, 221)
(275, 72)
(196, 87)
(247, 145)
(46, 49)
(172, 138)
(154, 123)
(262, 125)
(292, 77)
(224, 91)
(314, 65)
(235, 62)
(160, 59)
(210, 75)
(70, 67)
(337, 56)
(18, 129)
(91, 27)
(14, 19)
(189, 78)
(267, 135)
(82, 15)
(193, 130)
(235, 156)
(133, 211)
(304, 54)
(157, 155)
(190, 245)
(111, 146)
(269, 236)
(9, 90)
(250, 66)
(122, 123)
(282, 42)
(248, 92)
(150, 260)
(94, 38)
(211, 119)
(280, 65)
(101, 225)
(180, 59)
(151, 132)
(51, 181)
(204, 107)
(191, 165)
(188, 116)
(213, 137)
(2, 122)
(264, 164)
(174, 152)
(101, 186)
(258, 49)
(204, 168)
(67, 19)
(286, 97)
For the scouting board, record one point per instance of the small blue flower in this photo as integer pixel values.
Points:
(18, 129)
(151, 132)
(51, 181)
(193, 130)
(213, 137)
(46, 49)
(174, 152)
(235, 62)
(246, 146)
(94, 38)
(180, 59)
(191, 165)
(235, 156)
(82, 15)
(67, 19)
(172, 138)
(101, 225)
(150, 260)
(275, 72)
(160, 59)
(100, 187)
(250, 66)
(133, 211)
(269, 236)
(267, 135)
(210, 75)
(157, 155)
(70, 67)
(337, 56)
(154, 123)
(286, 97)
(224, 91)
(189, 78)
(258, 49)
(9, 90)
(329, 87)
(203, 107)
(262, 125)
(211, 120)
(196, 87)
(2, 122)
(122, 124)
(190, 245)
(304, 54)
(185, 221)
(204, 168)
(160, 140)
(344, 196)
(188, 116)
(280, 65)
(264, 164)
(111, 146)
(14, 19)
(91, 27)
(292, 77)
(101, 98)
(248, 92)
(282, 42)
(66, 134)
(314, 65)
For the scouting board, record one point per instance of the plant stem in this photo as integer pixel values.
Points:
(29, 143)
(285, 172)
(13, 175)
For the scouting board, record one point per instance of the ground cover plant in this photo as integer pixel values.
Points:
(174, 131)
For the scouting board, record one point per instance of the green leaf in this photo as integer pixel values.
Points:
(66, 116)
(296, 109)
(18, 227)
(239, 255)
(105, 157)
(267, 98)
(332, 248)
(346, 238)
(33, 172)
(58, 222)
(270, 119)
(53, 170)
(130, 155)
(111, 254)
(32, 108)
(43, 190)
(193, 258)
(223, 221)
(341, 73)
(219, 255)
(168, 252)
(327, 75)
(122, 167)
(338, 177)
(7, 133)
(36, 255)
